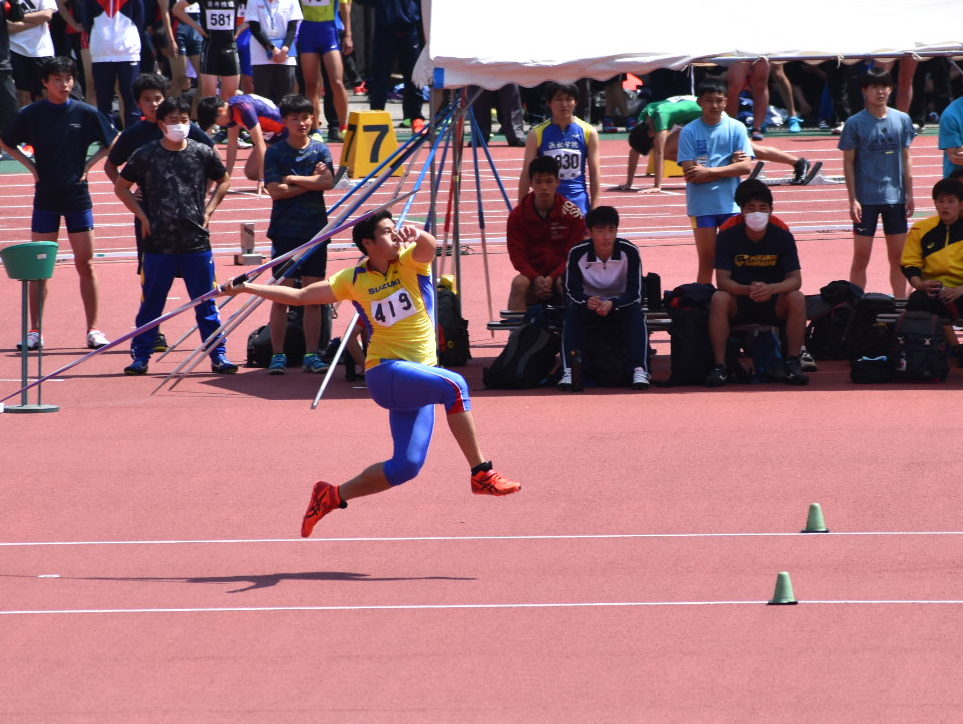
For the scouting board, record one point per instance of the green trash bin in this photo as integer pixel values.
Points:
(31, 261)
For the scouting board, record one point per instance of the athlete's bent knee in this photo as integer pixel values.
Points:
(398, 471)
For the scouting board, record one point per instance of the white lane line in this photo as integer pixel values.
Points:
(472, 606)
(469, 538)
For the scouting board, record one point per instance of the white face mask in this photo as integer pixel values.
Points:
(757, 220)
(176, 132)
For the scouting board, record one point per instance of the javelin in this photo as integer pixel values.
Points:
(210, 295)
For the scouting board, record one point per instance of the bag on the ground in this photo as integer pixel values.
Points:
(604, 357)
(919, 348)
(765, 346)
(827, 334)
(652, 291)
(871, 370)
(868, 338)
(259, 341)
(831, 315)
(527, 360)
(453, 346)
(690, 348)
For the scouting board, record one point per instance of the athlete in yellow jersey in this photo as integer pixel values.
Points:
(393, 293)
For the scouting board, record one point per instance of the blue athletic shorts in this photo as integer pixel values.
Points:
(410, 391)
(318, 37)
(244, 51)
(711, 221)
(894, 219)
(48, 222)
(189, 41)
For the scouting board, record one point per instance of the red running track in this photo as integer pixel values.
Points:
(151, 569)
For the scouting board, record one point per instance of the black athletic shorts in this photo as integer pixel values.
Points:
(26, 72)
(750, 312)
(314, 266)
(220, 58)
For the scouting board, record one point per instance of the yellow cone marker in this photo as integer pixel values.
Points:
(814, 521)
(783, 595)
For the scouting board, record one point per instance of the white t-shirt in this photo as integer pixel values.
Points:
(274, 16)
(34, 42)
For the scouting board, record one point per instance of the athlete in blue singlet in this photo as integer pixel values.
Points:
(393, 293)
(572, 142)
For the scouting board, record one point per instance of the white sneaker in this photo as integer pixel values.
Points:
(640, 379)
(565, 383)
(34, 340)
(96, 339)
(806, 361)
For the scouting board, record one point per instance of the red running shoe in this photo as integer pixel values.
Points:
(417, 124)
(492, 483)
(324, 499)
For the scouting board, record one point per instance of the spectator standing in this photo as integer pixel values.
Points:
(879, 177)
(219, 59)
(274, 30)
(297, 172)
(714, 151)
(173, 175)
(30, 47)
(8, 90)
(319, 43)
(115, 29)
(572, 142)
(951, 137)
(61, 130)
(397, 39)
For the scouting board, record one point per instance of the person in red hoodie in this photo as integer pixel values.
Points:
(541, 231)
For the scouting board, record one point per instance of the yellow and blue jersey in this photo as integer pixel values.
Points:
(397, 308)
(319, 11)
(570, 148)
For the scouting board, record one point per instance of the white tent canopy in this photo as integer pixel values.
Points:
(527, 42)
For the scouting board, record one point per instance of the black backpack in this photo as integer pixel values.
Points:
(831, 316)
(690, 348)
(867, 337)
(453, 347)
(919, 348)
(688, 296)
(527, 360)
(604, 357)
(259, 341)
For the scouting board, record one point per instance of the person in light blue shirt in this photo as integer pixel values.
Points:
(951, 137)
(879, 177)
(714, 151)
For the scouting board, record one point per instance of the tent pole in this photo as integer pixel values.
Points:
(476, 140)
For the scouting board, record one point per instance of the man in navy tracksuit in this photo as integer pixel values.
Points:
(604, 282)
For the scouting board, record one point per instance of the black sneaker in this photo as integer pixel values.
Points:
(800, 170)
(717, 376)
(334, 134)
(794, 374)
(160, 343)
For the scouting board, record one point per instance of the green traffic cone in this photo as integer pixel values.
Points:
(783, 595)
(814, 521)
